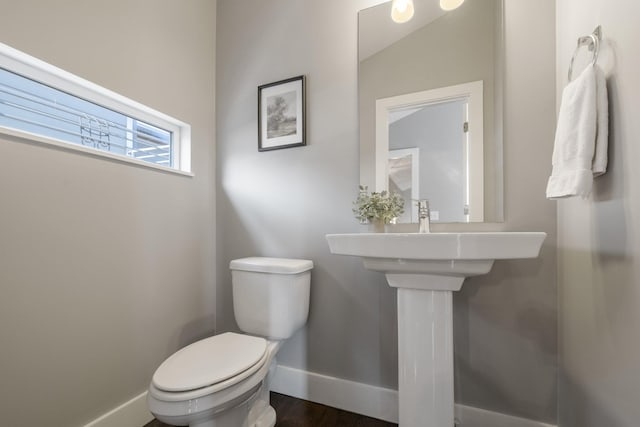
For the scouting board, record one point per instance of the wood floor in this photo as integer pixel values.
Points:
(292, 412)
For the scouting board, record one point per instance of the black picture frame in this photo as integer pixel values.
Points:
(282, 114)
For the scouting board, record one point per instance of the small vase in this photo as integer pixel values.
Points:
(376, 226)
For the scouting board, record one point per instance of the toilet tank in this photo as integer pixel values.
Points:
(271, 295)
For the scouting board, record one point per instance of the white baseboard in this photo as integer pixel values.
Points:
(476, 417)
(375, 402)
(133, 413)
(372, 401)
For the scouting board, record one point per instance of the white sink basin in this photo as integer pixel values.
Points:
(446, 254)
(442, 246)
(426, 269)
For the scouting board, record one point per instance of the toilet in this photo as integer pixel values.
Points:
(223, 381)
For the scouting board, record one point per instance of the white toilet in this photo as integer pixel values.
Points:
(224, 380)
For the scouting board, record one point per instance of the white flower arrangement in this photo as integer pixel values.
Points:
(384, 206)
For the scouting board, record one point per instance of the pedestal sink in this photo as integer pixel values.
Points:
(426, 269)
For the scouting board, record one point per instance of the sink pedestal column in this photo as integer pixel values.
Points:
(427, 268)
(425, 348)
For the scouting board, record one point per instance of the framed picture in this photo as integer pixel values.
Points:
(281, 114)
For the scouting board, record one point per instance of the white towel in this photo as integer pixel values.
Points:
(580, 150)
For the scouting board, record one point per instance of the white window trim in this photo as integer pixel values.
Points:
(35, 69)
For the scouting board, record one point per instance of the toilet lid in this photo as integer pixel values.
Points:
(272, 265)
(209, 361)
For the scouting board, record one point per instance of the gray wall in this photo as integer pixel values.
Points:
(506, 322)
(282, 203)
(598, 239)
(105, 268)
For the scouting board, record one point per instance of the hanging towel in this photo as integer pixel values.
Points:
(580, 150)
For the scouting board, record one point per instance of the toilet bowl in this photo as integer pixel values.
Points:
(223, 381)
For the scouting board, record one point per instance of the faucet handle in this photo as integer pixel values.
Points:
(423, 208)
(423, 216)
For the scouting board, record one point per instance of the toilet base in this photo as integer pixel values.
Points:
(266, 419)
(243, 416)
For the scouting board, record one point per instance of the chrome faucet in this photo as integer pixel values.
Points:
(423, 216)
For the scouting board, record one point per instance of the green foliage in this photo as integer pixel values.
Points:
(384, 205)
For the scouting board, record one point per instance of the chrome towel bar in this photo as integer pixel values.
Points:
(592, 41)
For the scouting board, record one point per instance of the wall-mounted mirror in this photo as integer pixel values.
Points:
(430, 98)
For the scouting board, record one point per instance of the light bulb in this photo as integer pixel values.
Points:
(450, 4)
(401, 10)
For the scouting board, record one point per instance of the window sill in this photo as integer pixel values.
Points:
(52, 142)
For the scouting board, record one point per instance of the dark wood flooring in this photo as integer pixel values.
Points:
(292, 412)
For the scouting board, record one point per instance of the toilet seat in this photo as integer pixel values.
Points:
(210, 365)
